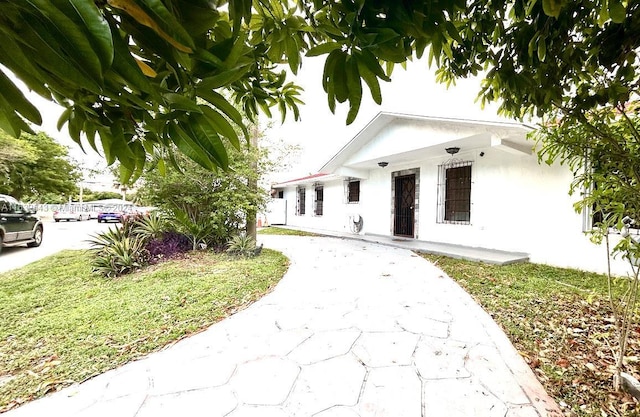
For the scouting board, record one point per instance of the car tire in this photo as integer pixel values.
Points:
(1, 242)
(57, 220)
(37, 236)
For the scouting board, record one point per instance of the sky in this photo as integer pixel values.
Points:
(322, 134)
(319, 133)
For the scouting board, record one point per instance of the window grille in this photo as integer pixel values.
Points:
(300, 209)
(353, 192)
(319, 200)
(454, 192)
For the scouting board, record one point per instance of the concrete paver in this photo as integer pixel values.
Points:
(354, 329)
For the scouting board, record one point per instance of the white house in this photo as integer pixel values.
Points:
(464, 182)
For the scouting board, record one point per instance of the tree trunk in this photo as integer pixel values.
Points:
(253, 183)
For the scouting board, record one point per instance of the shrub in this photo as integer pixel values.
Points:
(118, 252)
(168, 245)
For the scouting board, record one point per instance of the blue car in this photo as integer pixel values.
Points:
(110, 215)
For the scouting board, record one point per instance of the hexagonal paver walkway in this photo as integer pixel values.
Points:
(353, 329)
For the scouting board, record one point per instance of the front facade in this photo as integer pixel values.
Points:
(469, 183)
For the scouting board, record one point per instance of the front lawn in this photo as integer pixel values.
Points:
(561, 322)
(61, 324)
(274, 230)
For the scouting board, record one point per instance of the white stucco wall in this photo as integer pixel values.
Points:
(517, 204)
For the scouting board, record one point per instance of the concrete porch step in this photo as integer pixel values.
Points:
(477, 254)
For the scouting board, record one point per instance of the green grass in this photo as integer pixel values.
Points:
(561, 322)
(274, 230)
(60, 324)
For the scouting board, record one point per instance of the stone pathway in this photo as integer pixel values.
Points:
(353, 329)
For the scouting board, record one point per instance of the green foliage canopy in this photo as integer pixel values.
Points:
(143, 76)
(210, 206)
(35, 168)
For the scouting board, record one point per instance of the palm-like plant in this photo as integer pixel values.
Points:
(196, 227)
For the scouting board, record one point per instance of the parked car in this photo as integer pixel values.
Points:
(71, 211)
(18, 226)
(110, 214)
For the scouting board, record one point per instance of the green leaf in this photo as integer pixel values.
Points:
(222, 125)
(293, 54)
(327, 78)
(169, 22)
(94, 24)
(223, 79)
(617, 11)
(189, 147)
(339, 78)
(452, 31)
(324, 48)
(374, 65)
(180, 102)
(542, 49)
(206, 136)
(354, 85)
(371, 80)
(162, 167)
(553, 7)
(14, 96)
(35, 36)
(76, 123)
(218, 101)
(64, 118)
(13, 57)
(125, 66)
(73, 40)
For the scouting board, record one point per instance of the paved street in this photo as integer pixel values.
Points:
(354, 329)
(57, 237)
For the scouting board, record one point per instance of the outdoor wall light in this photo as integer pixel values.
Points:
(452, 150)
(382, 164)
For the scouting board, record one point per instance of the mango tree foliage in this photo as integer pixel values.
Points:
(143, 75)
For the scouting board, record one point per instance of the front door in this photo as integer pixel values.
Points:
(405, 199)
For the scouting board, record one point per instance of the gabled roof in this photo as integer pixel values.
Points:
(383, 119)
(509, 136)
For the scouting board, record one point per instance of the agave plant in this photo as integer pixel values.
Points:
(150, 227)
(243, 245)
(117, 252)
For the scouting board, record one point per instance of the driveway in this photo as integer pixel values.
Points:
(353, 329)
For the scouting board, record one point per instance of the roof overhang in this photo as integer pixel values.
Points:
(311, 179)
(465, 134)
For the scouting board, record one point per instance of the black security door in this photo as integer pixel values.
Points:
(405, 199)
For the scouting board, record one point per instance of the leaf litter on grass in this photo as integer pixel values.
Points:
(561, 323)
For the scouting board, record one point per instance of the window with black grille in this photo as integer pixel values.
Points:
(319, 189)
(301, 201)
(353, 192)
(454, 193)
